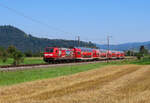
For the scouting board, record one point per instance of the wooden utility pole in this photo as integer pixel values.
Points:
(108, 47)
(78, 41)
(75, 42)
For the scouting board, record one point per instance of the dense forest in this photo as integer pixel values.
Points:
(10, 35)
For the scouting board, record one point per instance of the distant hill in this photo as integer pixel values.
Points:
(126, 46)
(10, 35)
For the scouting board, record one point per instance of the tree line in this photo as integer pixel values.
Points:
(10, 35)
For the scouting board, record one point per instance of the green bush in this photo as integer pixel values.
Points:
(3, 54)
(139, 56)
(18, 57)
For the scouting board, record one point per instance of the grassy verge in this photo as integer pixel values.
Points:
(8, 62)
(9, 78)
(143, 61)
(33, 60)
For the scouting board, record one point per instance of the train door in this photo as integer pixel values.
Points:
(57, 52)
(77, 53)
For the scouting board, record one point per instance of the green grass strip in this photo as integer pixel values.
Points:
(15, 77)
(31, 60)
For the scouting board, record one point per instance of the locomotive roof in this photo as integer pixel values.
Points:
(84, 48)
(88, 49)
(111, 50)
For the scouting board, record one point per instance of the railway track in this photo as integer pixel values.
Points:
(7, 68)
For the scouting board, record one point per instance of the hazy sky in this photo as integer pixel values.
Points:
(92, 20)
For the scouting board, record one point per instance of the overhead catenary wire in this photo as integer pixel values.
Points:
(56, 29)
(35, 20)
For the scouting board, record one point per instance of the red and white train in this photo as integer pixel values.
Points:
(55, 54)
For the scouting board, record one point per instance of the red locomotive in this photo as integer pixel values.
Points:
(55, 54)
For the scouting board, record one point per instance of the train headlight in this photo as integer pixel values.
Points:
(48, 54)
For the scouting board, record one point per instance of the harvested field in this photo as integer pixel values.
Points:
(111, 84)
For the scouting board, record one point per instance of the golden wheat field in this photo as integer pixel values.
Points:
(111, 84)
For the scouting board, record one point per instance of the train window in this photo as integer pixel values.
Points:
(49, 50)
(56, 51)
(78, 53)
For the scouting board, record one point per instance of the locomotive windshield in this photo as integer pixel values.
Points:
(49, 50)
